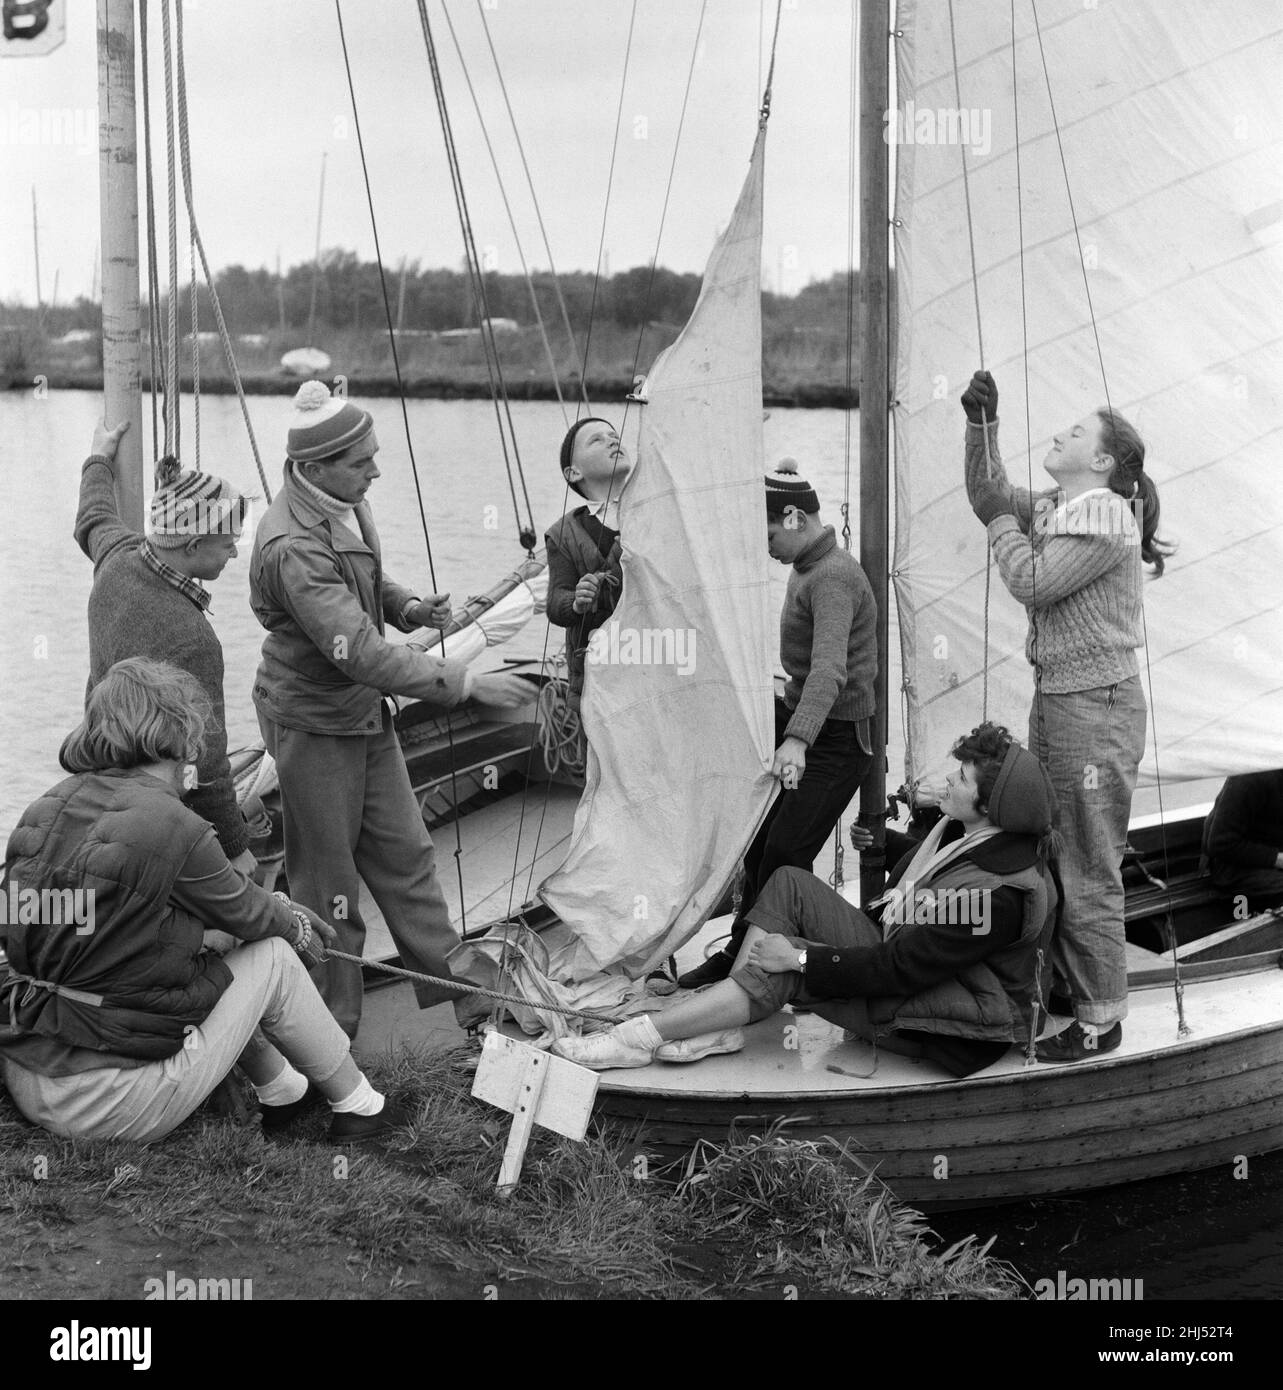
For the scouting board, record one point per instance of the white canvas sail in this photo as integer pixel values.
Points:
(680, 748)
(1169, 113)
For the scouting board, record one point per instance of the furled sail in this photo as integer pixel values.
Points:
(677, 703)
(1169, 113)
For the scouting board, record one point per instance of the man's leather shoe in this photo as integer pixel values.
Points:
(1074, 1044)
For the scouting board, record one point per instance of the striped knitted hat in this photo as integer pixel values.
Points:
(323, 425)
(786, 492)
(189, 504)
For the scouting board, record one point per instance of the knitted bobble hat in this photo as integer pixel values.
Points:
(323, 425)
(189, 504)
(786, 492)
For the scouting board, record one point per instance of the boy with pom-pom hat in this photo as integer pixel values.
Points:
(828, 648)
(149, 599)
(318, 586)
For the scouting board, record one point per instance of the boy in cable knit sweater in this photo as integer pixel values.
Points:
(828, 648)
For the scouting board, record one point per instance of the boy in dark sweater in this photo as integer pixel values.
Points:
(828, 648)
(1243, 838)
(147, 600)
(584, 572)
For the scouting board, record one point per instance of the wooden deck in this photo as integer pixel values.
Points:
(490, 842)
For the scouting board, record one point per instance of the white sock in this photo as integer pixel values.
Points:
(1093, 1030)
(365, 1100)
(642, 1032)
(283, 1089)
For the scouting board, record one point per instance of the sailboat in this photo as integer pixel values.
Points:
(656, 838)
(1088, 178)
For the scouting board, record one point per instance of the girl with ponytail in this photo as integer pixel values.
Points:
(1074, 558)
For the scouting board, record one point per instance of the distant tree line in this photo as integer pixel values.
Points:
(344, 294)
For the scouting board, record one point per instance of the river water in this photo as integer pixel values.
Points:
(1206, 1235)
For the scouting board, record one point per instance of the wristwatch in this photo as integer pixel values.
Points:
(801, 960)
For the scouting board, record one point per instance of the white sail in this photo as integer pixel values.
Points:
(680, 747)
(1169, 113)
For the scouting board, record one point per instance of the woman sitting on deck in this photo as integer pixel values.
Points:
(951, 974)
(116, 1021)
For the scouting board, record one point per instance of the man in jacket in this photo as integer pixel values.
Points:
(148, 599)
(317, 585)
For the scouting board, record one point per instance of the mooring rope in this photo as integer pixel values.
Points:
(463, 988)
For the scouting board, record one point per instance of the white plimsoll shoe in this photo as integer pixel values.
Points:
(705, 1045)
(629, 1044)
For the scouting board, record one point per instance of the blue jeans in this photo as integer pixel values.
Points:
(1091, 743)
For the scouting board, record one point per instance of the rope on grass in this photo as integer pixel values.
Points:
(464, 988)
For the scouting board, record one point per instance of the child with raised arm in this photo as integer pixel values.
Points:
(1073, 558)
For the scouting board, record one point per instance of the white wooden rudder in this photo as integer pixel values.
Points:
(535, 1088)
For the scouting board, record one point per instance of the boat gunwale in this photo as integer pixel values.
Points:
(1183, 1047)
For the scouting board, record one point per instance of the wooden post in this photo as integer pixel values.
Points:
(535, 1088)
(118, 212)
(875, 393)
(533, 1076)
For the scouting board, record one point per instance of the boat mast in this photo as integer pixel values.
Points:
(875, 396)
(118, 212)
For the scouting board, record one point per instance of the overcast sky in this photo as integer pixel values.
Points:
(268, 99)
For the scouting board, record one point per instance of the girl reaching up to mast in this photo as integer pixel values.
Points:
(1073, 558)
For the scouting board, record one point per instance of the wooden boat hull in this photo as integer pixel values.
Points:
(1012, 1132)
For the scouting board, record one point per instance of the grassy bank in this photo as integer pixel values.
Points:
(802, 367)
(764, 1216)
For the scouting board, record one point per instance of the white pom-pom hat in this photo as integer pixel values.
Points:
(323, 425)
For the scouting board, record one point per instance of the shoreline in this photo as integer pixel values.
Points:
(431, 386)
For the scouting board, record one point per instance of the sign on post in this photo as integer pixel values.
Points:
(32, 28)
(535, 1088)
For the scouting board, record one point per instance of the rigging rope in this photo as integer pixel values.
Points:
(605, 211)
(512, 224)
(405, 420)
(1182, 1027)
(975, 287)
(543, 231)
(173, 410)
(224, 337)
(494, 367)
(156, 384)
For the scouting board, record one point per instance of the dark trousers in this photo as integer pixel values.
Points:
(801, 820)
(350, 814)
